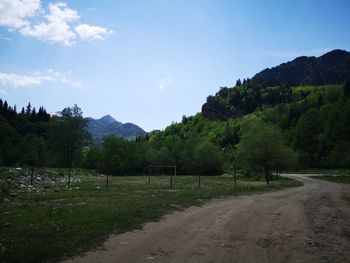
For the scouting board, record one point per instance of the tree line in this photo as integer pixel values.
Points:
(310, 129)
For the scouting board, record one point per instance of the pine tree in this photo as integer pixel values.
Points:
(29, 109)
(33, 115)
(5, 106)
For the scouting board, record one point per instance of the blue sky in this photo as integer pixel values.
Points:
(150, 62)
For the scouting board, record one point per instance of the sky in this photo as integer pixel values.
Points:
(150, 62)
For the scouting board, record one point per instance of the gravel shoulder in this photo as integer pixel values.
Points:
(303, 224)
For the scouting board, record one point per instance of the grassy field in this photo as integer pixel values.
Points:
(47, 222)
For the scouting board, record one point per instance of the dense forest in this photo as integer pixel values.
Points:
(293, 116)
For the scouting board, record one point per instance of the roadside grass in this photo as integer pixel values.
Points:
(342, 171)
(345, 179)
(54, 222)
(332, 175)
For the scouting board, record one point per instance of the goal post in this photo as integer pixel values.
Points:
(157, 167)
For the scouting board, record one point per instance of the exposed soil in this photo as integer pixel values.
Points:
(304, 224)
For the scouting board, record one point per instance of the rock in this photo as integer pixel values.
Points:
(13, 194)
(289, 235)
(76, 188)
(7, 224)
(6, 212)
(98, 187)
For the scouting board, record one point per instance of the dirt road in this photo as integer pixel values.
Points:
(304, 224)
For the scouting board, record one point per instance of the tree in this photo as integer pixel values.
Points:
(29, 109)
(306, 137)
(115, 155)
(261, 146)
(207, 158)
(69, 135)
(93, 158)
(34, 152)
(346, 89)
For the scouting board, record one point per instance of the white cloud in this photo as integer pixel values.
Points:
(88, 33)
(56, 28)
(37, 79)
(59, 24)
(14, 13)
(11, 79)
(164, 83)
(5, 38)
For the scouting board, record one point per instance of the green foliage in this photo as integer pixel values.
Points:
(114, 152)
(207, 158)
(303, 98)
(262, 147)
(69, 135)
(304, 137)
(23, 137)
(92, 158)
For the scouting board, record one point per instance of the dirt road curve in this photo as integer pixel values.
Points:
(304, 224)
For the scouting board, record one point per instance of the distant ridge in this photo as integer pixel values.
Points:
(330, 68)
(107, 126)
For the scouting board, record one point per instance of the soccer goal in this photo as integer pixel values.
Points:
(162, 170)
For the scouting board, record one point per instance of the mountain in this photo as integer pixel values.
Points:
(331, 68)
(107, 125)
(273, 86)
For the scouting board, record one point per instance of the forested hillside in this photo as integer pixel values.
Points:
(308, 125)
(23, 136)
(331, 68)
(296, 115)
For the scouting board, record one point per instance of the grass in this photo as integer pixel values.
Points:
(345, 179)
(53, 222)
(342, 171)
(332, 175)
